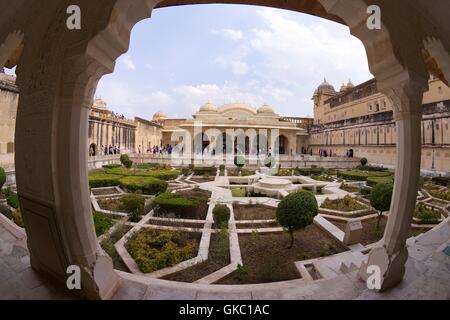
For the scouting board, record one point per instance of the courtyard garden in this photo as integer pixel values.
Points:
(180, 225)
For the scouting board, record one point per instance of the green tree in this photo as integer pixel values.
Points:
(363, 161)
(125, 160)
(380, 199)
(296, 211)
(221, 215)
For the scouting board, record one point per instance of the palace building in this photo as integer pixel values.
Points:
(357, 118)
(361, 118)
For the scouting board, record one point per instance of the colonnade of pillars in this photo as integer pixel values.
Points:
(105, 133)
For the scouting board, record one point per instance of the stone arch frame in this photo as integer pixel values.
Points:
(401, 75)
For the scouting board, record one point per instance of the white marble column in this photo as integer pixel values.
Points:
(391, 254)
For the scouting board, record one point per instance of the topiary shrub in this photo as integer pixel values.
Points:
(2, 177)
(221, 215)
(380, 199)
(101, 179)
(123, 158)
(222, 168)
(146, 185)
(128, 163)
(296, 211)
(363, 161)
(134, 205)
(102, 222)
(269, 162)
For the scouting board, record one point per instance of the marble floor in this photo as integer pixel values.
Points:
(427, 277)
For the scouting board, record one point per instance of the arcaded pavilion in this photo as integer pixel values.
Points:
(241, 127)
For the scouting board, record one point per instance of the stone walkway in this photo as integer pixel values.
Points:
(427, 277)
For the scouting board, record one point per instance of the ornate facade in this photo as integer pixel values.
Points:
(361, 118)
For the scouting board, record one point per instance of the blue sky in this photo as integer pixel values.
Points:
(185, 56)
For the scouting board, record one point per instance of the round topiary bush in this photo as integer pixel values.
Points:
(146, 185)
(380, 198)
(363, 161)
(123, 158)
(2, 177)
(221, 215)
(128, 163)
(296, 211)
(269, 162)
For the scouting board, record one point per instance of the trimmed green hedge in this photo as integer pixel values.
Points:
(159, 174)
(443, 181)
(165, 174)
(361, 175)
(151, 165)
(172, 203)
(147, 185)
(154, 249)
(111, 166)
(373, 181)
(199, 171)
(308, 171)
(101, 179)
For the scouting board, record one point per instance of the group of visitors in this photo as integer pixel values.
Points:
(110, 149)
(116, 115)
(167, 149)
(324, 153)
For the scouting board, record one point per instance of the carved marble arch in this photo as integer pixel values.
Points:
(11, 49)
(437, 59)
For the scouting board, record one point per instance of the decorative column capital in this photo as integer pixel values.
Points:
(406, 94)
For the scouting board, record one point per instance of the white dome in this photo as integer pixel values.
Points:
(325, 87)
(265, 109)
(350, 84)
(100, 104)
(208, 107)
(159, 116)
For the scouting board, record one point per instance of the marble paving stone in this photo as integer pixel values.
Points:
(157, 292)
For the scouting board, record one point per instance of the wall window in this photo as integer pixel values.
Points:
(440, 90)
(10, 147)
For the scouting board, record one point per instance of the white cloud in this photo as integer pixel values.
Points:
(298, 54)
(231, 34)
(237, 67)
(128, 62)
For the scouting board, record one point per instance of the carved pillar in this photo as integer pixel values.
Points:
(391, 255)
